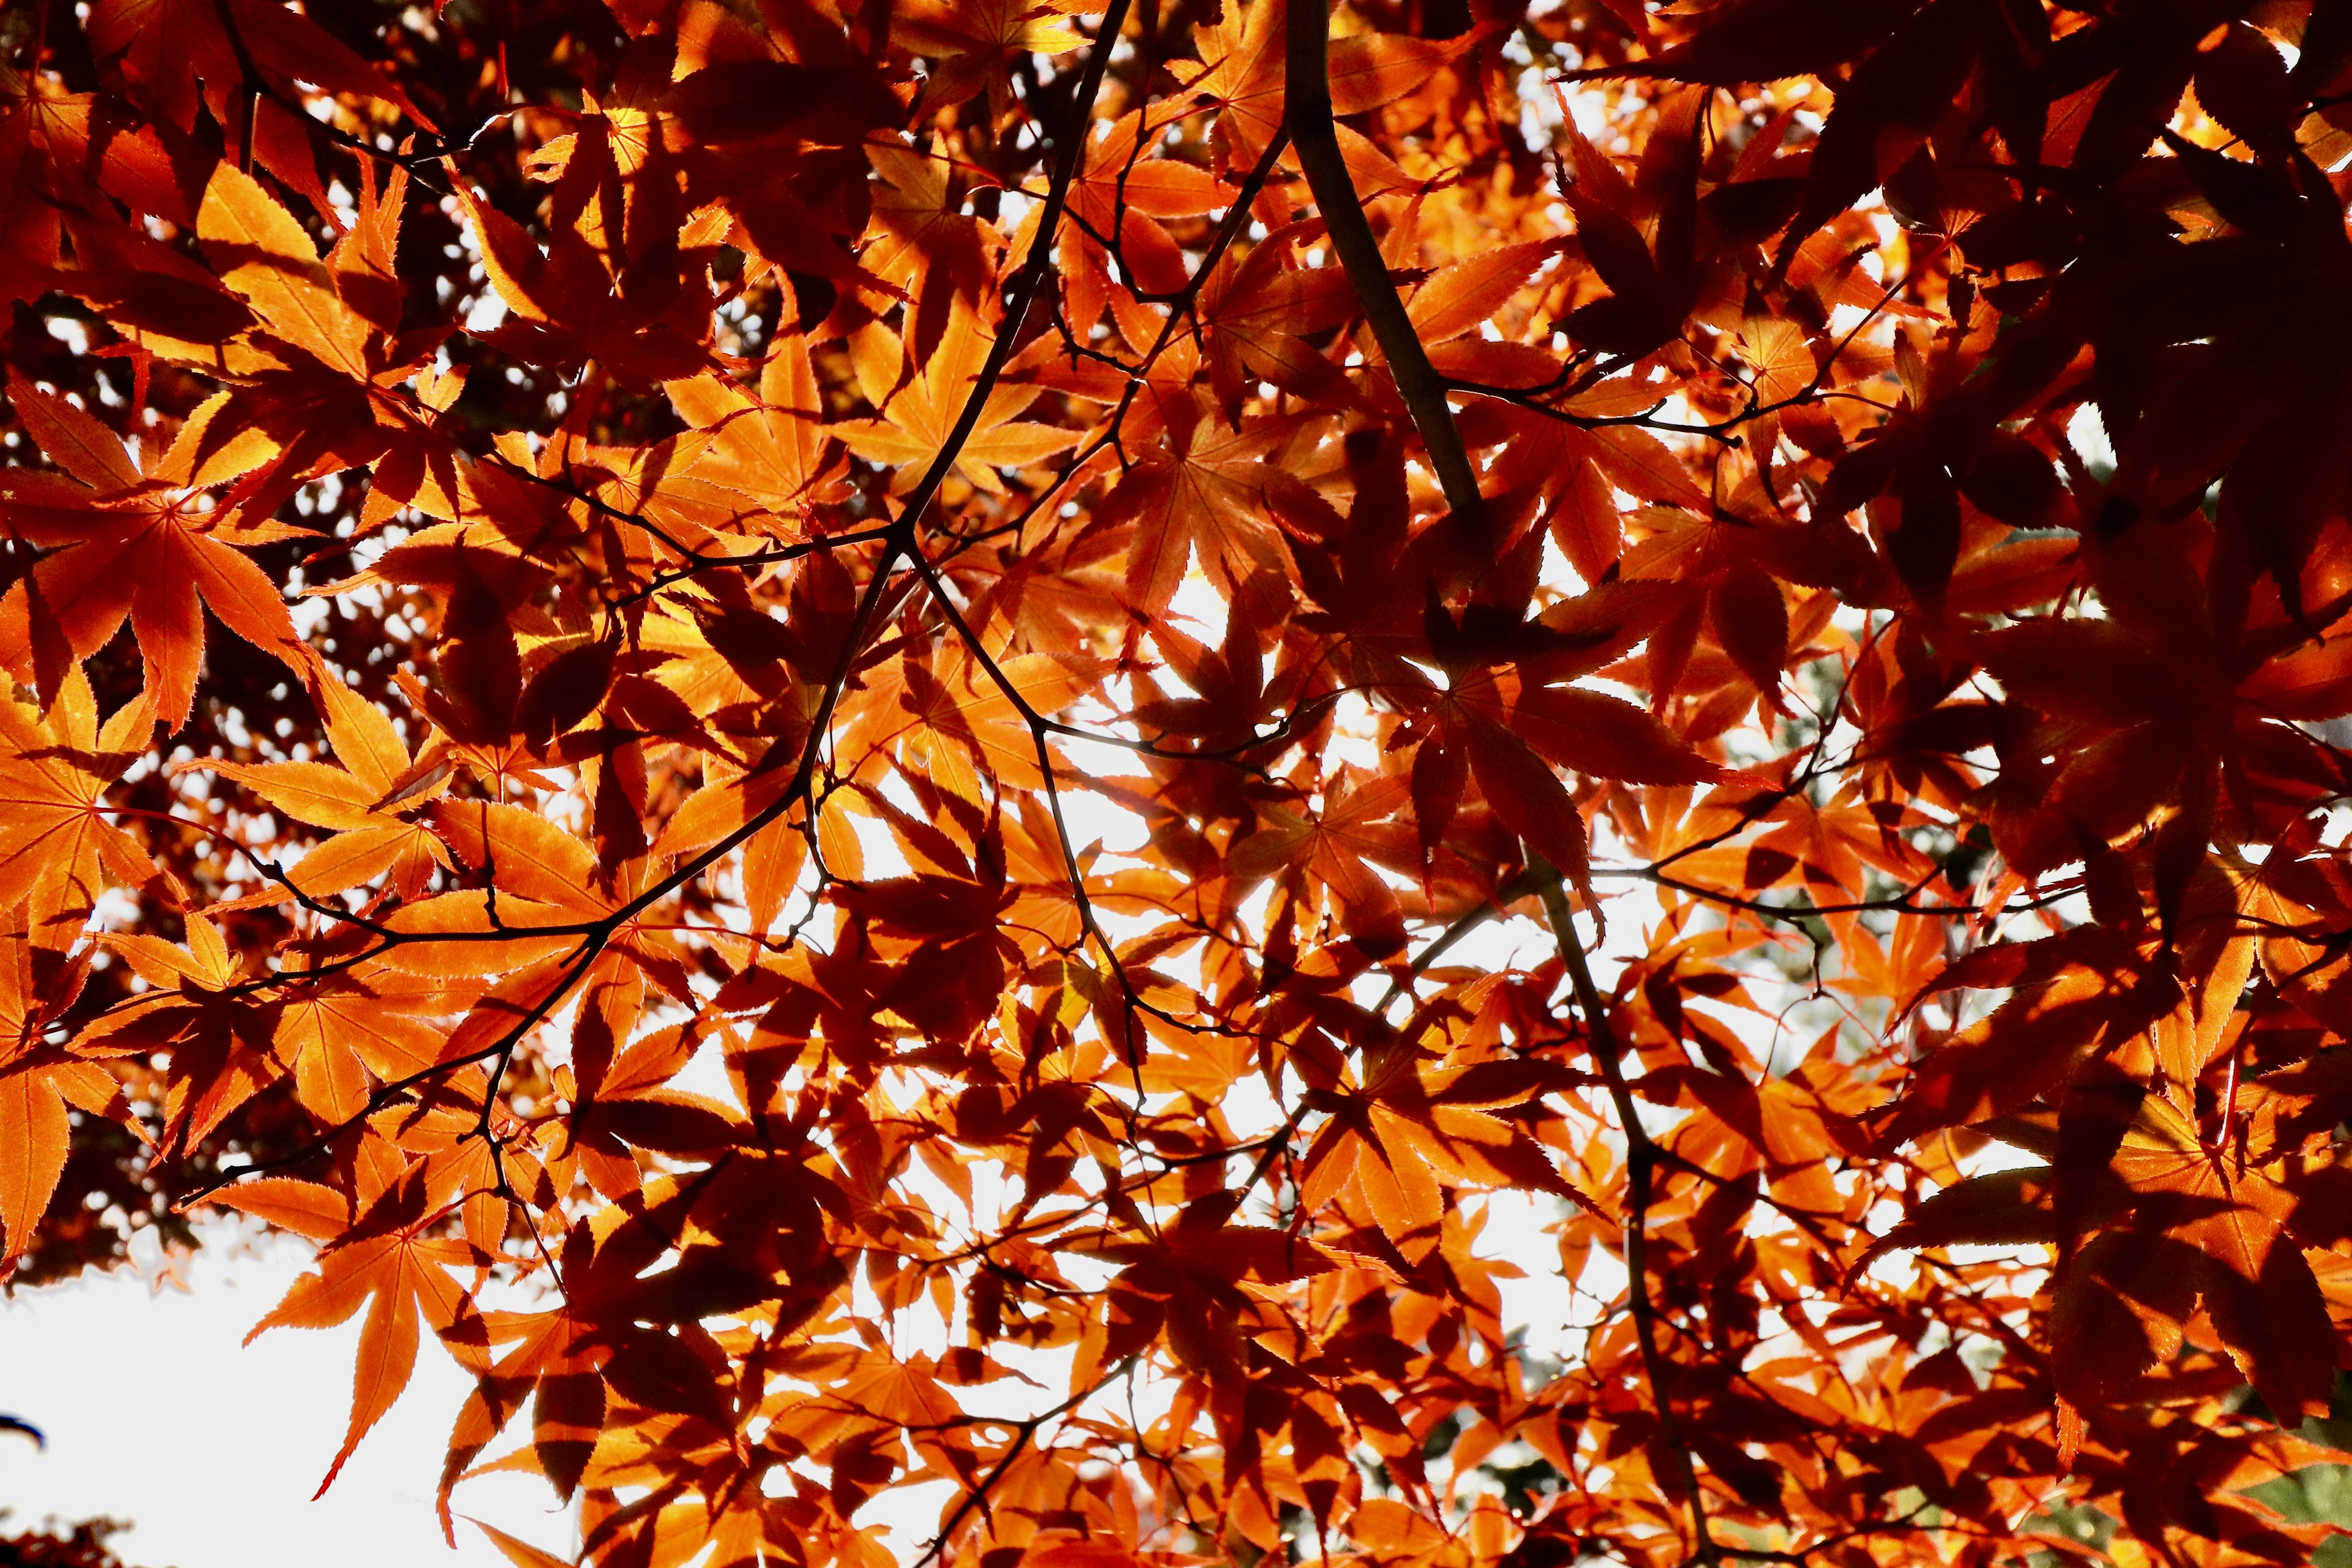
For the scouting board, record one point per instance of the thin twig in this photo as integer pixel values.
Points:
(898, 543)
(1641, 1159)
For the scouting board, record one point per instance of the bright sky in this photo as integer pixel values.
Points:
(154, 1414)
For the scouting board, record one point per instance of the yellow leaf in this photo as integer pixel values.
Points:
(265, 256)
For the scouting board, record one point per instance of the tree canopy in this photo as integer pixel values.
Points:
(987, 749)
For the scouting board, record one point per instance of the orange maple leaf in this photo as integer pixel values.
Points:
(919, 417)
(135, 542)
(388, 1264)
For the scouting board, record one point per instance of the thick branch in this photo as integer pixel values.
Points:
(1308, 89)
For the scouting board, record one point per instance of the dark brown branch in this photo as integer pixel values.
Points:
(1641, 1158)
(1804, 1555)
(1312, 131)
(1236, 219)
(1024, 1431)
(1899, 903)
(1510, 893)
(898, 542)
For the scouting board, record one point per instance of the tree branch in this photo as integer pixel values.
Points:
(898, 541)
(1641, 1157)
(1314, 132)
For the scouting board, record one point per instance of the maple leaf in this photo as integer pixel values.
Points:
(385, 1264)
(1115, 201)
(331, 1034)
(2068, 995)
(1832, 848)
(755, 460)
(919, 211)
(1256, 316)
(365, 803)
(219, 1040)
(1205, 491)
(37, 1081)
(976, 42)
(918, 417)
(1241, 73)
(1461, 295)
(567, 307)
(1185, 1280)
(1408, 1127)
(2256, 1286)
(262, 253)
(1332, 845)
(540, 875)
(131, 544)
(783, 949)
(166, 46)
(1589, 732)
(54, 770)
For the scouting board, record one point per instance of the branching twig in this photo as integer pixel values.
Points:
(1641, 1158)
(898, 541)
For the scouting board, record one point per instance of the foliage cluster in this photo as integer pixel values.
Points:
(82, 1545)
(935, 747)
